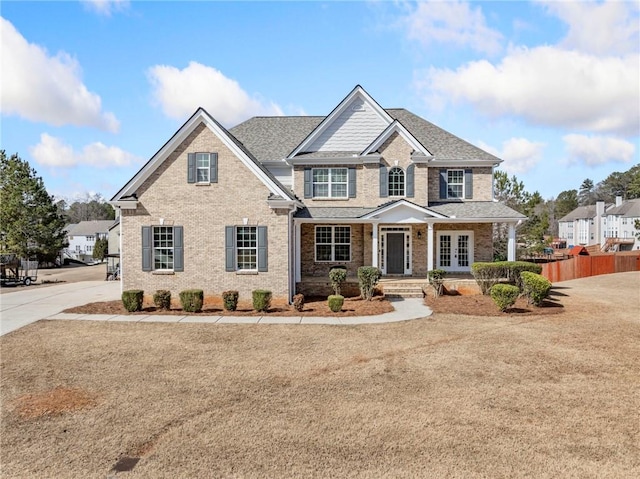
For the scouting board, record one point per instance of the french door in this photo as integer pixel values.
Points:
(455, 250)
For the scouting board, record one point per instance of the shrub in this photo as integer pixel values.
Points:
(298, 302)
(516, 268)
(337, 276)
(504, 295)
(191, 300)
(162, 299)
(488, 274)
(368, 277)
(436, 279)
(261, 299)
(335, 302)
(132, 300)
(535, 287)
(230, 300)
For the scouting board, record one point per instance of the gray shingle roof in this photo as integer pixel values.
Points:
(89, 228)
(629, 209)
(476, 209)
(340, 212)
(274, 138)
(581, 212)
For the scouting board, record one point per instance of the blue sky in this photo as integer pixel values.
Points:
(90, 90)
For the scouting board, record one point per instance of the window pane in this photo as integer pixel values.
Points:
(163, 247)
(343, 252)
(247, 247)
(323, 234)
(321, 175)
(339, 175)
(338, 191)
(321, 191)
(343, 234)
(323, 252)
(202, 160)
(396, 182)
(202, 175)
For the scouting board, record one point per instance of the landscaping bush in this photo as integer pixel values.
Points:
(191, 300)
(488, 274)
(436, 279)
(337, 276)
(504, 295)
(368, 277)
(132, 300)
(535, 287)
(298, 302)
(162, 299)
(516, 268)
(230, 300)
(261, 299)
(335, 302)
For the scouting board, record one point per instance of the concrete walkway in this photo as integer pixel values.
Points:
(405, 309)
(25, 306)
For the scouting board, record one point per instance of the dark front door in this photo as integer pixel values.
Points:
(395, 253)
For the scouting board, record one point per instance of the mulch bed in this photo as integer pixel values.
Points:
(479, 305)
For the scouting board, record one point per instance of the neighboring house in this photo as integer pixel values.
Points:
(621, 231)
(82, 238)
(583, 226)
(114, 236)
(277, 201)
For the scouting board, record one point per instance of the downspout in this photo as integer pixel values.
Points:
(120, 251)
(291, 256)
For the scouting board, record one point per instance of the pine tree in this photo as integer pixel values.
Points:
(30, 222)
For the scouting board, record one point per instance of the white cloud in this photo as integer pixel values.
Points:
(47, 89)
(597, 150)
(53, 152)
(106, 7)
(519, 154)
(547, 86)
(181, 92)
(451, 23)
(606, 28)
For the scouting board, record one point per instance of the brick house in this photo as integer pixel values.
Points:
(277, 201)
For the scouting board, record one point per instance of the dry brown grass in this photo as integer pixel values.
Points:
(449, 396)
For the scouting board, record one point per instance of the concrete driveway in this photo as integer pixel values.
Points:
(25, 306)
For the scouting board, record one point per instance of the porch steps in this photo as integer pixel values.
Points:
(403, 289)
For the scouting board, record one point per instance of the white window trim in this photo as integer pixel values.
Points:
(461, 197)
(332, 244)
(237, 248)
(206, 168)
(404, 182)
(329, 183)
(153, 249)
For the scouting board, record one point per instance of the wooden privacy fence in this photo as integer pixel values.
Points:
(584, 266)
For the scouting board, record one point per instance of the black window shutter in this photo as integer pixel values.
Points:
(352, 182)
(213, 167)
(191, 168)
(468, 184)
(178, 248)
(443, 184)
(146, 248)
(410, 181)
(229, 248)
(307, 182)
(263, 252)
(384, 182)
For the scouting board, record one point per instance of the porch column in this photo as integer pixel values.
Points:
(374, 245)
(297, 253)
(429, 246)
(511, 244)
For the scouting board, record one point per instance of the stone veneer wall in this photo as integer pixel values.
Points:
(204, 211)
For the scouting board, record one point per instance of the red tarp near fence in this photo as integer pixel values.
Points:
(584, 266)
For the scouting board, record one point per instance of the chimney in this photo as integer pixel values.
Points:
(618, 200)
(598, 220)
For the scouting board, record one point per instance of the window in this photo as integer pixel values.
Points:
(333, 243)
(396, 181)
(455, 183)
(91, 238)
(246, 248)
(330, 183)
(202, 167)
(163, 247)
(89, 248)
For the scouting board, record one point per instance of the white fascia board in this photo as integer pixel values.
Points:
(284, 204)
(124, 204)
(474, 220)
(420, 209)
(358, 91)
(396, 127)
(330, 221)
(336, 160)
(462, 163)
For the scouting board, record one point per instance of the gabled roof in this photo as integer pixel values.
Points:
(580, 213)
(202, 117)
(357, 96)
(629, 209)
(396, 127)
(397, 204)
